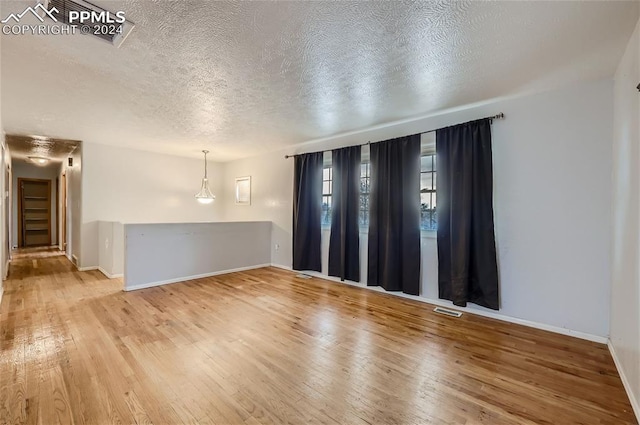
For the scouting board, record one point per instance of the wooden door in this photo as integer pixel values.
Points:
(34, 225)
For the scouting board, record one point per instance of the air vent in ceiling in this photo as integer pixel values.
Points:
(90, 19)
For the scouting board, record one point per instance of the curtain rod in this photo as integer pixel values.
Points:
(493, 117)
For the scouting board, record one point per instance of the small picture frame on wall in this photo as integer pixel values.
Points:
(243, 190)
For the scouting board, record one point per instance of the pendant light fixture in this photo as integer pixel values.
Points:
(205, 196)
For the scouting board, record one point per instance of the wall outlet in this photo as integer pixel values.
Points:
(277, 247)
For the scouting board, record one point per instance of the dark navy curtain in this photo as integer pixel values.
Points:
(344, 242)
(394, 219)
(307, 209)
(467, 266)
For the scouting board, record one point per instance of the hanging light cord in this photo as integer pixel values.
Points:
(205, 163)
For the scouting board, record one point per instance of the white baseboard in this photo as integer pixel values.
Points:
(186, 278)
(109, 275)
(287, 268)
(524, 322)
(86, 269)
(448, 304)
(1, 292)
(6, 270)
(635, 404)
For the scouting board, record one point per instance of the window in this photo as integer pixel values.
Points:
(428, 218)
(365, 188)
(327, 190)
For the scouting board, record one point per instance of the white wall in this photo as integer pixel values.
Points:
(49, 172)
(74, 205)
(5, 204)
(271, 195)
(105, 247)
(117, 266)
(4, 220)
(625, 247)
(4, 200)
(552, 171)
(61, 202)
(133, 186)
(111, 248)
(157, 254)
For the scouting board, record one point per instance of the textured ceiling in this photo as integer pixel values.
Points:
(56, 150)
(242, 78)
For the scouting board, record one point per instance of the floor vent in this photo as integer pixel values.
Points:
(451, 313)
(303, 276)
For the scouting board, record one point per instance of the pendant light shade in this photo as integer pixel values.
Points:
(205, 196)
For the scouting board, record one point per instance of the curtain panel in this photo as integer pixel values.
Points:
(394, 219)
(344, 242)
(467, 265)
(307, 210)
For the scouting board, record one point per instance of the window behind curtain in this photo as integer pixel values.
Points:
(428, 218)
(327, 190)
(365, 188)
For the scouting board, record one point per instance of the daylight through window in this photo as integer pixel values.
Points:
(327, 190)
(428, 218)
(365, 188)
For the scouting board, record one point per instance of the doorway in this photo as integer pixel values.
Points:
(34, 212)
(57, 161)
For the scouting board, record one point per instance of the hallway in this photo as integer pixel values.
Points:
(35, 253)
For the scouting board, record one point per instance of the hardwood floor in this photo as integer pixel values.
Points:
(265, 347)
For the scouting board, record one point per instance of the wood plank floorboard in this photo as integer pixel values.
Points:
(265, 347)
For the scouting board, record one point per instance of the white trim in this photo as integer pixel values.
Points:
(6, 269)
(86, 269)
(1, 292)
(186, 278)
(502, 317)
(109, 275)
(635, 404)
(516, 320)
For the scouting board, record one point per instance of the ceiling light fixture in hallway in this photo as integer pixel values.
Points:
(39, 160)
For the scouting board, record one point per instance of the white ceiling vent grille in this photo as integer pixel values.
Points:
(90, 19)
